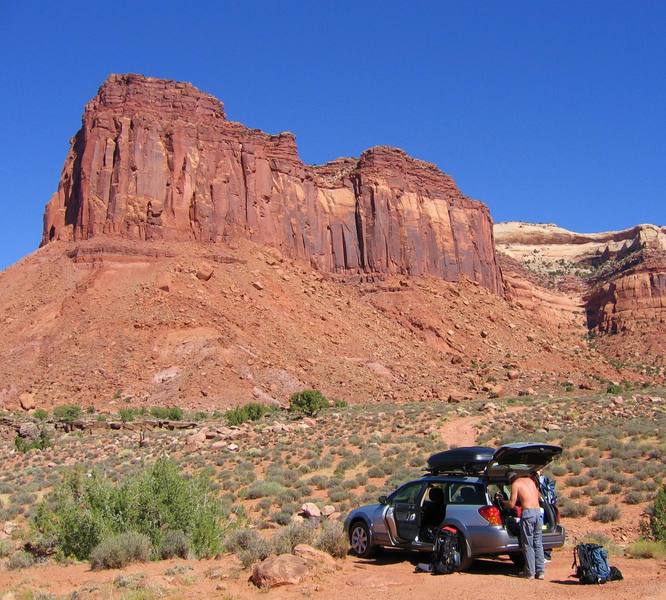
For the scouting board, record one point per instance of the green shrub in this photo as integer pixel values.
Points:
(248, 545)
(572, 509)
(287, 538)
(67, 412)
(647, 549)
(599, 500)
(5, 548)
(20, 560)
(261, 489)
(308, 402)
(614, 389)
(658, 517)
(127, 414)
(331, 538)
(340, 404)
(252, 411)
(578, 480)
(558, 470)
(170, 413)
(174, 544)
(25, 445)
(120, 550)
(633, 497)
(40, 414)
(606, 514)
(83, 510)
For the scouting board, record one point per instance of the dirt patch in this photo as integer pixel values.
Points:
(460, 432)
(390, 576)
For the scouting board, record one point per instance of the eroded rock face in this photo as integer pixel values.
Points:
(633, 298)
(157, 159)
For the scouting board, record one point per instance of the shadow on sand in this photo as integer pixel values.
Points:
(497, 566)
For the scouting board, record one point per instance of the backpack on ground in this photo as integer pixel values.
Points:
(591, 564)
(446, 554)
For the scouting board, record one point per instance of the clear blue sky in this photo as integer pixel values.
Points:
(547, 111)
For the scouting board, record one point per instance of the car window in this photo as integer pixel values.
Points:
(407, 493)
(429, 495)
(466, 493)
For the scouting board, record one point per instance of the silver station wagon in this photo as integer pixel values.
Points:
(458, 491)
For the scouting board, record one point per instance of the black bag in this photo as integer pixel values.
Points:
(615, 574)
(591, 564)
(446, 555)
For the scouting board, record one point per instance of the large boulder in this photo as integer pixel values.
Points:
(315, 558)
(29, 431)
(279, 570)
(27, 401)
(310, 510)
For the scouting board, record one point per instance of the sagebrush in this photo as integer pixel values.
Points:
(86, 508)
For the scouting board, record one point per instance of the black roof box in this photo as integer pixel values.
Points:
(471, 459)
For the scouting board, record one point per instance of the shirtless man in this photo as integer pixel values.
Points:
(525, 493)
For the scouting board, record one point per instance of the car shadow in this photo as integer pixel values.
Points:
(498, 566)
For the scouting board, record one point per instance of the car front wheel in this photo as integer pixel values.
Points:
(359, 540)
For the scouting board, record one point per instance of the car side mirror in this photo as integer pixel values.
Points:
(383, 500)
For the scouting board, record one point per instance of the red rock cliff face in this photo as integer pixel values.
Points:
(157, 159)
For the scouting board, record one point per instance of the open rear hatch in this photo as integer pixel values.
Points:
(524, 458)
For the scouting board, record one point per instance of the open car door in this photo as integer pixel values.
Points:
(522, 457)
(405, 504)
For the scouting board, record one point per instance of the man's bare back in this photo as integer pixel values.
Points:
(524, 492)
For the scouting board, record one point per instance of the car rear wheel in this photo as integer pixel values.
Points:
(359, 540)
(465, 560)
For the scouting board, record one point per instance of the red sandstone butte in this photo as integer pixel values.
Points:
(158, 159)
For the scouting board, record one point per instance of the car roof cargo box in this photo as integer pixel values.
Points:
(471, 459)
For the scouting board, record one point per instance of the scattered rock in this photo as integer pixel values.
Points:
(527, 392)
(163, 282)
(195, 441)
(258, 285)
(310, 510)
(314, 557)
(264, 397)
(166, 375)
(328, 510)
(279, 570)
(27, 400)
(205, 273)
(29, 431)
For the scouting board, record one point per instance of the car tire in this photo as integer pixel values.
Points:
(465, 560)
(359, 540)
(518, 559)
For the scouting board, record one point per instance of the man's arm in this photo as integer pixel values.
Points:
(511, 503)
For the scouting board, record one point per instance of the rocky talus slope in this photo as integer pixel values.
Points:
(130, 323)
(158, 159)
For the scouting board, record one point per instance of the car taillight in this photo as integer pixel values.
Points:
(491, 514)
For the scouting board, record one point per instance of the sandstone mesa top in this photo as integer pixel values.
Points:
(158, 159)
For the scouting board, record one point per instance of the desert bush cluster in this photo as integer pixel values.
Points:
(143, 516)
